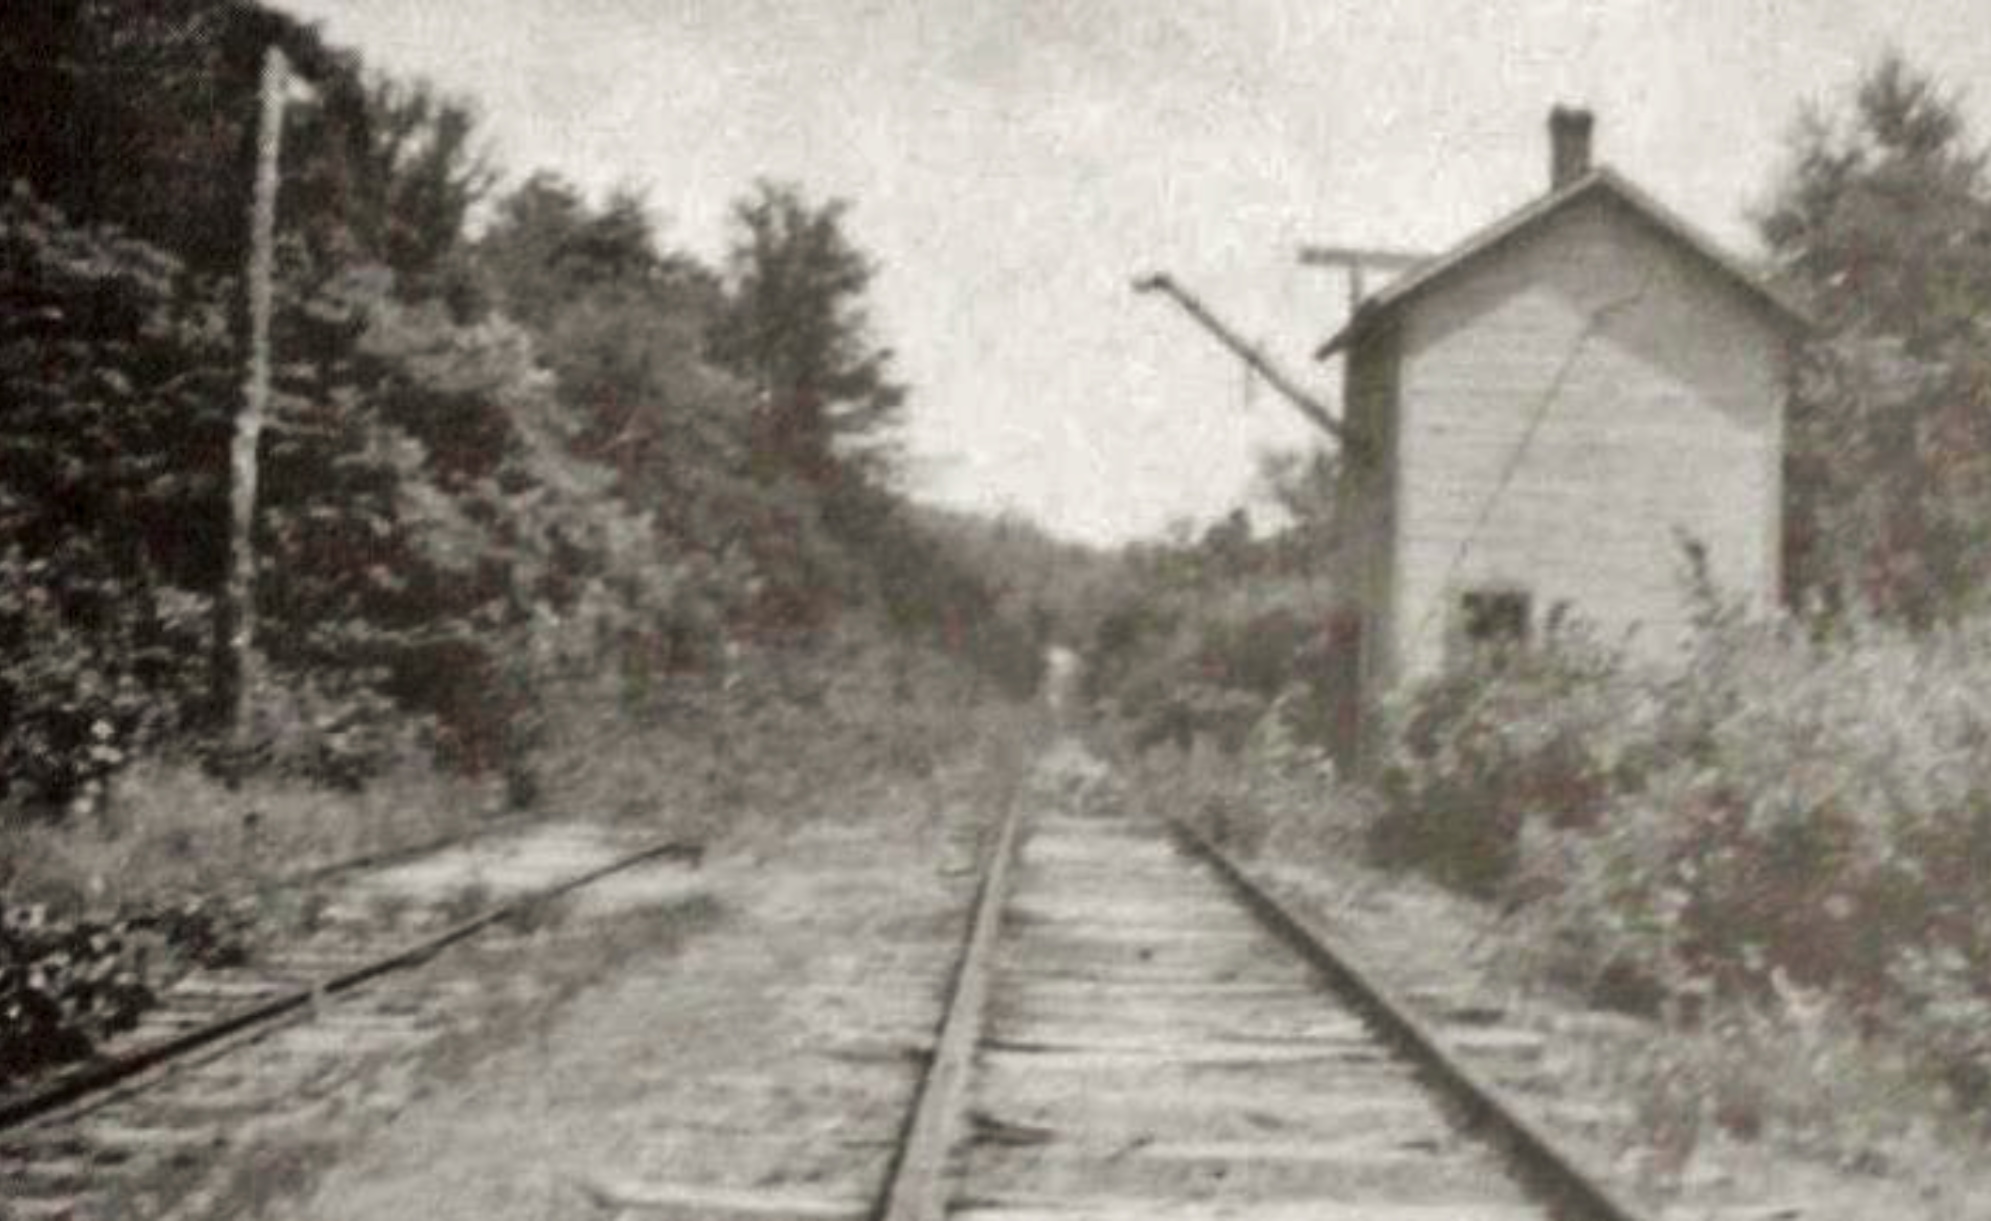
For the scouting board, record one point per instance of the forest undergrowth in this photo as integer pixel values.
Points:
(178, 868)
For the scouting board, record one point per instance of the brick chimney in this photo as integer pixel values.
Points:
(1569, 145)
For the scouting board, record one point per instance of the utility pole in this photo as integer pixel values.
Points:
(255, 394)
(1353, 259)
(1308, 405)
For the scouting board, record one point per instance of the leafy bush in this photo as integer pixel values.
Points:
(1782, 811)
(337, 736)
(1254, 654)
(422, 511)
(65, 985)
(927, 593)
(112, 469)
(1544, 733)
(1207, 670)
(78, 698)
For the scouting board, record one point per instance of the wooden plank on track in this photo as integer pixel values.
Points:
(1119, 1058)
(715, 1203)
(1133, 936)
(1190, 1024)
(1056, 1137)
(1133, 974)
(1374, 1103)
(1301, 988)
(1129, 1209)
(1366, 1147)
(1182, 1044)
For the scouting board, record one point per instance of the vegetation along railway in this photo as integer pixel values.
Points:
(1131, 1027)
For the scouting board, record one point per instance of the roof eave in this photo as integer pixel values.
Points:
(1787, 310)
(1342, 338)
(1497, 233)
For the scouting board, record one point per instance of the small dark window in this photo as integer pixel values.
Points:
(1494, 617)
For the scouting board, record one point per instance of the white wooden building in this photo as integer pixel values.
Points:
(1551, 413)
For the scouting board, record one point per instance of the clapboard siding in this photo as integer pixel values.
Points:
(1558, 417)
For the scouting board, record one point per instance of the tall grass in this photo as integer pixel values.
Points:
(168, 827)
(782, 737)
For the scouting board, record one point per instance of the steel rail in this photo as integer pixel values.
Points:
(913, 1189)
(100, 1075)
(1568, 1188)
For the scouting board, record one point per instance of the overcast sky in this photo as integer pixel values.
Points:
(1012, 163)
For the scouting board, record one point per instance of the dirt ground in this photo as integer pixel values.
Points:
(766, 1064)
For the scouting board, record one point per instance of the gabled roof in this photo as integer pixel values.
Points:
(1599, 181)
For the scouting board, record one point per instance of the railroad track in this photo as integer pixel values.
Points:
(1133, 1030)
(1137, 1030)
(129, 1132)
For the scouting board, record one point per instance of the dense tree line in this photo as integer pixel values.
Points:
(552, 447)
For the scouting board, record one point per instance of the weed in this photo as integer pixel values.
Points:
(180, 830)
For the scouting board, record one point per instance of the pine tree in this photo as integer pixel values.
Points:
(1882, 222)
(795, 328)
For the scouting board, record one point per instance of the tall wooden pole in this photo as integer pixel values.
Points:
(1354, 259)
(255, 391)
